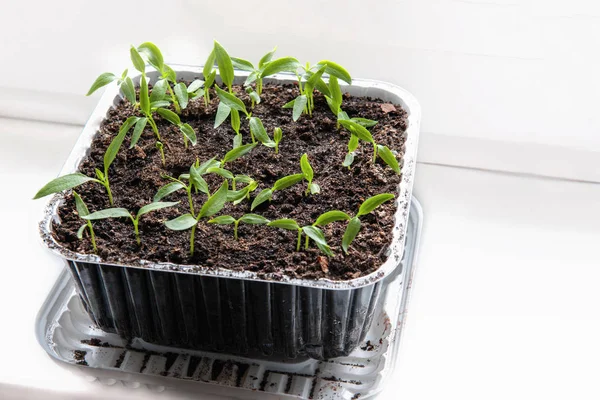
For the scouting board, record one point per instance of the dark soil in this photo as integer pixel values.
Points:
(135, 177)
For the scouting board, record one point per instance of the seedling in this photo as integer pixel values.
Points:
(213, 205)
(146, 107)
(186, 130)
(82, 211)
(359, 131)
(308, 173)
(71, 181)
(256, 73)
(252, 219)
(258, 131)
(310, 231)
(123, 213)
(280, 184)
(237, 152)
(195, 182)
(277, 136)
(254, 97)
(353, 227)
(179, 96)
(312, 77)
(225, 65)
(209, 76)
(230, 105)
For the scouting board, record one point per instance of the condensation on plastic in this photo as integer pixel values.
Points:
(65, 329)
(232, 311)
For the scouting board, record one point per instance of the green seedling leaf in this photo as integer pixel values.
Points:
(225, 64)
(322, 87)
(258, 130)
(202, 168)
(254, 219)
(220, 171)
(137, 131)
(335, 91)
(167, 190)
(155, 206)
(108, 213)
(80, 231)
(289, 104)
(331, 216)
(266, 58)
(314, 78)
(299, 105)
(63, 183)
(99, 174)
(128, 89)
(314, 188)
(188, 132)
(169, 73)
(159, 90)
(315, 234)
(373, 202)
(287, 181)
(124, 74)
(251, 78)
(263, 196)
(238, 152)
(352, 143)
(215, 203)
(82, 209)
(231, 100)
(222, 220)
(181, 223)
(169, 116)
(367, 123)
(348, 160)
(285, 223)
(242, 64)
(389, 158)
(343, 116)
(153, 55)
(223, 111)
(243, 179)
(253, 95)
(357, 129)
(284, 64)
(144, 99)
(235, 121)
(350, 233)
(306, 168)
(159, 104)
(210, 79)
(235, 195)
(237, 141)
(103, 80)
(336, 70)
(195, 85)
(137, 60)
(115, 145)
(181, 94)
(208, 67)
(197, 181)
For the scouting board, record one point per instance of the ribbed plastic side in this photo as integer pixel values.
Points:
(225, 315)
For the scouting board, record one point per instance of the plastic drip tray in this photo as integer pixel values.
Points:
(66, 332)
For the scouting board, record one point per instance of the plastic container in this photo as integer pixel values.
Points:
(228, 311)
(68, 335)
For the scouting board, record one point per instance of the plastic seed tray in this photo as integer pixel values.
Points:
(66, 332)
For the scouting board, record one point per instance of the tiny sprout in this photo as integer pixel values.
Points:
(310, 231)
(252, 219)
(237, 196)
(146, 107)
(213, 205)
(280, 184)
(186, 130)
(209, 76)
(255, 73)
(82, 211)
(353, 227)
(258, 131)
(124, 82)
(254, 97)
(237, 152)
(277, 136)
(307, 170)
(358, 130)
(71, 181)
(179, 97)
(196, 182)
(123, 213)
(230, 104)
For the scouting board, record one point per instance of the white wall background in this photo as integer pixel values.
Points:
(504, 84)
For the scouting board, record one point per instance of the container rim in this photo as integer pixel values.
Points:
(359, 87)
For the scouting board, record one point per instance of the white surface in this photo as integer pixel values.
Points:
(505, 301)
(518, 73)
